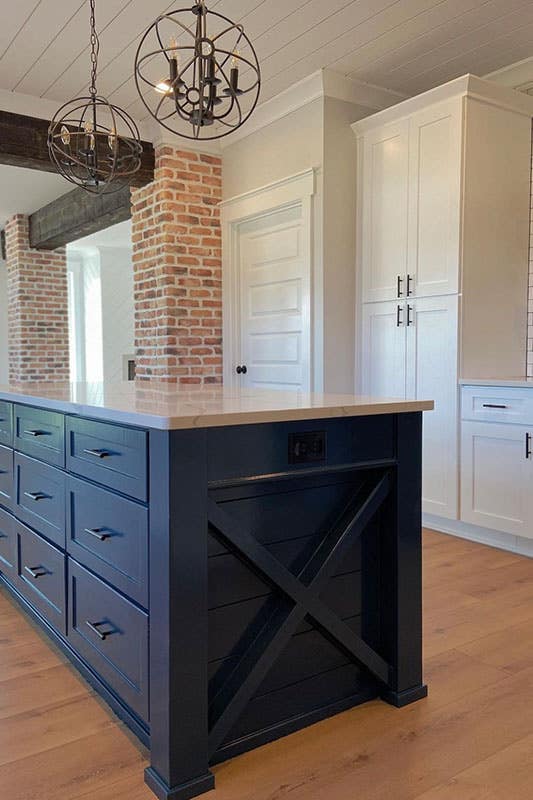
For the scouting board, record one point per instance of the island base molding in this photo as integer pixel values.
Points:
(474, 533)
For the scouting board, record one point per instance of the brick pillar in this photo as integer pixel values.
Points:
(178, 270)
(37, 308)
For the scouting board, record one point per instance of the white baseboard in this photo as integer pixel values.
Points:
(498, 539)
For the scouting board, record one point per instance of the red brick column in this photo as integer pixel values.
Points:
(178, 270)
(37, 308)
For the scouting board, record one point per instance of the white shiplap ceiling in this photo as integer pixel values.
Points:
(406, 45)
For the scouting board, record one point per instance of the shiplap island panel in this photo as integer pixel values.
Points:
(224, 567)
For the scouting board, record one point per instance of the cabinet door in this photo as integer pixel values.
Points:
(385, 211)
(432, 375)
(384, 350)
(496, 477)
(435, 199)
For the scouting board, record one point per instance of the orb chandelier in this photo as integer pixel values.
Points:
(197, 73)
(93, 143)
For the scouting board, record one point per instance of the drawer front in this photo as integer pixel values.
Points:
(6, 423)
(497, 404)
(41, 576)
(40, 497)
(8, 549)
(109, 534)
(40, 434)
(108, 454)
(111, 634)
(6, 477)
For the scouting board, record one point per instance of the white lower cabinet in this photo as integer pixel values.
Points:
(497, 477)
(410, 350)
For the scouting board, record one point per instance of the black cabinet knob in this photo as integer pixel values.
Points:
(242, 370)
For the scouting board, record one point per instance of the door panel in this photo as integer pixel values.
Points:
(274, 274)
(434, 199)
(384, 350)
(385, 210)
(496, 477)
(432, 375)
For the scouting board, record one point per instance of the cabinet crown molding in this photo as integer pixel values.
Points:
(467, 86)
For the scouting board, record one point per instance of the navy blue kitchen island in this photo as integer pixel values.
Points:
(223, 567)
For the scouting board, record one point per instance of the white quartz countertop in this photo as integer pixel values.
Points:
(157, 405)
(520, 382)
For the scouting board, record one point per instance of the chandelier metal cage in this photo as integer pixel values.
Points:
(199, 78)
(93, 143)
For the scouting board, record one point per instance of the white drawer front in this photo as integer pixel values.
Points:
(497, 404)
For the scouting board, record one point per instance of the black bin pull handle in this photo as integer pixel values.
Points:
(96, 453)
(94, 627)
(36, 496)
(36, 572)
(34, 432)
(97, 533)
(494, 405)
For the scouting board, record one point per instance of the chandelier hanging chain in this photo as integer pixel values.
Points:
(95, 48)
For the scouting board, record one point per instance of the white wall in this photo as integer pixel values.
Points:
(101, 306)
(3, 323)
(318, 136)
(116, 276)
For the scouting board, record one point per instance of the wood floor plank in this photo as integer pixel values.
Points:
(38, 689)
(504, 776)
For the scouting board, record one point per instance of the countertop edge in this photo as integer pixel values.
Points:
(212, 420)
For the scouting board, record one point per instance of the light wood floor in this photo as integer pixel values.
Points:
(472, 739)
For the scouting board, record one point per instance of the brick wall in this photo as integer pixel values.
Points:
(37, 308)
(177, 266)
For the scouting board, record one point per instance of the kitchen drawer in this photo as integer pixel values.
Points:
(8, 549)
(111, 634)
(108, 454)
(109, 534)
(40, 434)
(40, 497)
(497, 404)
(6, 477)
(41, 576)
(6, 423)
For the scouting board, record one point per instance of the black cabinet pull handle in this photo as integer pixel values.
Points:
(35, 495)
(94, 628)
(97, 453)
(399, 282)
(528, 446)
(97, 533)
(34, 433)
(493, 405)
(242, 370)
(34, 571)
(399, 320)
(410, 319)
(410, 281)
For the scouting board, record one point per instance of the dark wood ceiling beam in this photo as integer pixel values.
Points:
(23, 143)
(75, 215)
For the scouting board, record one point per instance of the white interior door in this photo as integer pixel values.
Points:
(432, 375)
(274, 257)
(434, 199)
(384, 350)
(385, 211)
(496, 477)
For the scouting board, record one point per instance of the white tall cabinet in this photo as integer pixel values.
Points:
(443, 237)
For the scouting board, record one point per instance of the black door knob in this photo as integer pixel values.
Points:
(242, 370)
